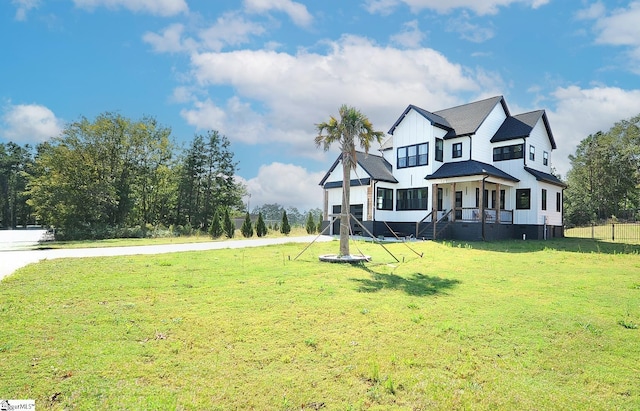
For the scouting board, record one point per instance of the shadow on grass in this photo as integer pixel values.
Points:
(418, 285)
(576, 245)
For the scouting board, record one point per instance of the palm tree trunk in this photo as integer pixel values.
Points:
(345, 211)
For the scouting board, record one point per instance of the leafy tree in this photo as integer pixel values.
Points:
(285, 228)
(103, 174)
(353, 128)
(247, 227)
(216, 229)
(270, 212)
(261, 227)
(311, 225)
(295, 217)
(229, 225)
(603, 180)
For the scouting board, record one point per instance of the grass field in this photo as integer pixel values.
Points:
(506, 325)
(621, 232)
(131, 242)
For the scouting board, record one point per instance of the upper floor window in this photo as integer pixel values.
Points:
(532, 153)
(507, 152)
(439, 149)
(413, 156)
(456, 150)
(545, 158)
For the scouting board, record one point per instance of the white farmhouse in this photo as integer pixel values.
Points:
(471, 172)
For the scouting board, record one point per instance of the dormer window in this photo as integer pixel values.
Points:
(456, 150)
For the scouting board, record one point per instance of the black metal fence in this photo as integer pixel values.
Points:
(623, 232)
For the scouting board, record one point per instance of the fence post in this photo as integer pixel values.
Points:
(613, 231)
(592, 230)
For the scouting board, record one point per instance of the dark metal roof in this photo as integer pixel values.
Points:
(432, 117)
(354, 183)
(376, 167)
(466, 119)
(469, 168)
(546, 177)
(520, 126)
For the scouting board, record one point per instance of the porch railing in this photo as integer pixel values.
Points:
(474, 214)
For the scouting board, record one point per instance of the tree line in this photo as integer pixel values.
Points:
(604, 179)
(116, 177)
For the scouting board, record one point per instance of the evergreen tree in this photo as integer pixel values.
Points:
(319, 226)
(285, 228)
(247, 228)
(311, 225)
(206, 181)
(229, 226)
(261, 227)
(216, 230)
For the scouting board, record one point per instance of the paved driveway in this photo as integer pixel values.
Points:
(11, 260)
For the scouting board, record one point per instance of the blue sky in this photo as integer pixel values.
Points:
(263, 72)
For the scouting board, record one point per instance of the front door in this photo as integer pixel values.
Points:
(458, 205)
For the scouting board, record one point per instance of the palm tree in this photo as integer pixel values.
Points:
(352, 127)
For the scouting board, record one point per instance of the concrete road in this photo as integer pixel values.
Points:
(11, 260)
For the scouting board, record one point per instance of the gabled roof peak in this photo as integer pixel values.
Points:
(433, 118)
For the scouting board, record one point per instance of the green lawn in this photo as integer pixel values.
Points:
(508, 325)
(185, 239)
(621, 232)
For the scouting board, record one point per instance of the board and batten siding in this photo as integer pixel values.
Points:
(539, 138)
(481, 146)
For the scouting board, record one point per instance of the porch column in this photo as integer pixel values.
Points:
(325, 212)
(483, 218)
(370, 202)
(481, 200)
(453, 202)
(498, 205)
(434, 207)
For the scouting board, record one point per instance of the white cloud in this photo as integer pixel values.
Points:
(580, 112)
(410, 36)
(480, 7)
(594, 11)
(236, 120)
(621, 27)
(30, 123)
(278, 181)
(469, 31)
(383, 7)
(155, 7)
(302, 89)
(296, 11)
(618, 28)
(169, 41)
(230, 29)
(23, 7)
